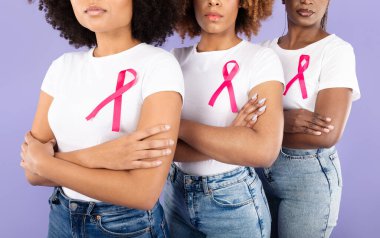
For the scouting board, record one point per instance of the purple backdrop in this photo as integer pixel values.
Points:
(28, 45)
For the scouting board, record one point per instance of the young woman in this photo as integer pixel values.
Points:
(212, 190)
(119, 89)
(304, 185)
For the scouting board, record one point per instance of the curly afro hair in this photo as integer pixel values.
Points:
(248, 21)
(153, 23)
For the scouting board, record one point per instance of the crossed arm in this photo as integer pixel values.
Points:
(139, 188)
(322, 128)
(257, 146)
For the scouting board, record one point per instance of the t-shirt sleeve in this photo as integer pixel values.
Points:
(164, 75)
(50, 82)
(267, 67)
(339, 70)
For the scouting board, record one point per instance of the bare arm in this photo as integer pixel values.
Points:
(41, 131)
(258, 146)
(247, 117)
(185, 153)
(334, 102)
(137, 188)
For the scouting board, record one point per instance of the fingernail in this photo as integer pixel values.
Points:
(326, 130)
(157, 163)
(319, 133)
(254, 118)
(171, 142)
(254, 97)
(167, 127)
(167, 152)
(328, 119)
(331, 127)
(262, 101)
(262, 108)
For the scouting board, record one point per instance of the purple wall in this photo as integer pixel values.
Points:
(28, 45)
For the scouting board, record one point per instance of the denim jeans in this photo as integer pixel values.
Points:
(76, 219)
(232, 204)
(304, 189)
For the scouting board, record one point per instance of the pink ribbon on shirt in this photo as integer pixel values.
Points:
(228, 76)
(117, 98)
(301, 78)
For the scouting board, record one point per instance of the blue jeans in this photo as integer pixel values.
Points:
(229, 205)
(304, 189)
(76, 219)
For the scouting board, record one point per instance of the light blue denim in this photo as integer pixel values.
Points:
(77, 219)
(304, 189)
(228, 205)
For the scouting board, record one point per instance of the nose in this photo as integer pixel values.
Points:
(212, 3)
(306, 2)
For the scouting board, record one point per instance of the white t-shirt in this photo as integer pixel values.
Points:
(331, 64)
(203, 74)
(78, 82)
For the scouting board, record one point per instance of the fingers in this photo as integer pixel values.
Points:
(252, 118)
(150, 154)
(28, 137)
(154, 144)
(251, 108)
(310, 131)
(146, 164)
(143, 134)
(326, 126)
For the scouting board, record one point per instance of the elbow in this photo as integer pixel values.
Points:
(265, 157)
(144, 199)
(32, 180)
(268, 152)
(329, 140)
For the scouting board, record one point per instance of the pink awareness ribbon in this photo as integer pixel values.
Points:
(117, 98)
(228, 76)
(302, 67)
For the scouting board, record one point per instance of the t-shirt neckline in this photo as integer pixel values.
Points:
(275, 42)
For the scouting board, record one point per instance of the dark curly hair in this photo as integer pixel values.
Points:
(152, 21)
(248, 21)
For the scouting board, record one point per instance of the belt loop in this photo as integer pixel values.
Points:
(251, 171)
(205, 185)
(90, 208)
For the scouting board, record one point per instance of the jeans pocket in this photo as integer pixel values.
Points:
(234, 195)
(123, 225)
(336, 163)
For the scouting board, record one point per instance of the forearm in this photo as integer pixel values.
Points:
(186, 153)
(125, 188)
(233, 145)
(37, 180)
(305, 141)
(79, 157)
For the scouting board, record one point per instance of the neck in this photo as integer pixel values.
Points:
(109, 43)
(299, 36)
(215, 42)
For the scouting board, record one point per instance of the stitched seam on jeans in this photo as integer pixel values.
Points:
(329, 183)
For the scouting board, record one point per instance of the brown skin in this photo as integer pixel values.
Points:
(232, 144)
(163, 108)
(324, 127)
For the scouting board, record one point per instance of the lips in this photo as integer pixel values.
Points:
(305, 12)
(94, 11)
(213, 16)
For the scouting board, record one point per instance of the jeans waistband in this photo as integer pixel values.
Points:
(91, 208)
(307, 153)
(204, 183)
